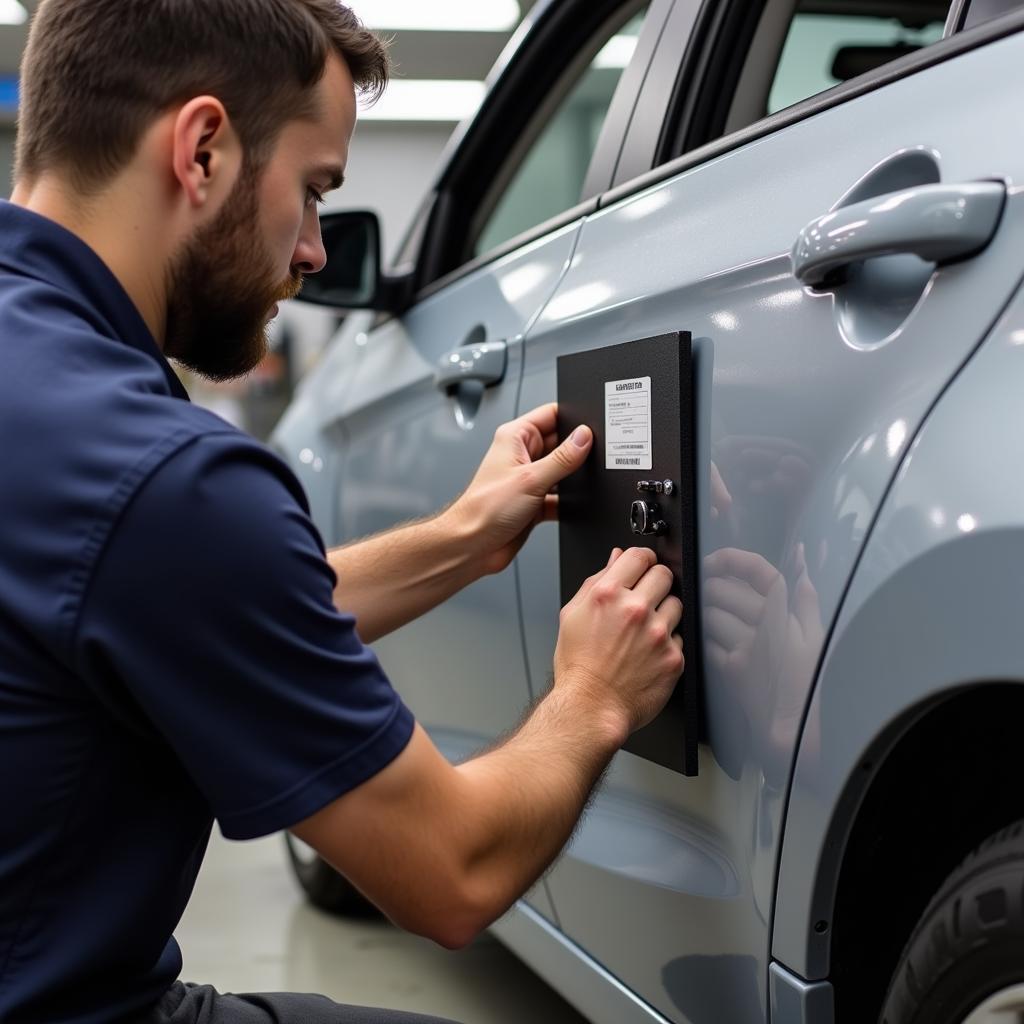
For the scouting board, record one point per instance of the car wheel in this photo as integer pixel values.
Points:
(964, 963)
(323, 885)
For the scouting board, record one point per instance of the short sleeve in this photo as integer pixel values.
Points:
(211, 611)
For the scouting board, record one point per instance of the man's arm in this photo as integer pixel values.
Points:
(393, 578)
(445, 850)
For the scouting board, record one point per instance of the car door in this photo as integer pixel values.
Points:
(809, 391)
(432, 385)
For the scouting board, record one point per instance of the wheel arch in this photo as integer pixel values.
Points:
(908, 714)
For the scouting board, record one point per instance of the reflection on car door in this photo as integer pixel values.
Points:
(807, 401)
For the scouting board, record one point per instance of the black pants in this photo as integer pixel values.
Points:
(203, 1004)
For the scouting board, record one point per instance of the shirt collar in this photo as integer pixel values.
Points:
(34, 246)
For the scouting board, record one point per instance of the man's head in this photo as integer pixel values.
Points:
(237, 112)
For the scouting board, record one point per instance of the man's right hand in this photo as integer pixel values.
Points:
(617, 639)
(444, 850)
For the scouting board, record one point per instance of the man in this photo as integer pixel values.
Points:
(175, 646)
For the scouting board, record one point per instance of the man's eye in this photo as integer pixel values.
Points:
(312, 196)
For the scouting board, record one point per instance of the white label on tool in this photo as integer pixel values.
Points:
(627, 424)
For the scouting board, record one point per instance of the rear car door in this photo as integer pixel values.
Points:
(809, 390)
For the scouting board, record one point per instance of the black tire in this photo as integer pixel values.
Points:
(969, 943)
(324, 887)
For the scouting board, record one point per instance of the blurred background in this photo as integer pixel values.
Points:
(442, 51)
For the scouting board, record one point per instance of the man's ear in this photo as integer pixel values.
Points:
(207, 153)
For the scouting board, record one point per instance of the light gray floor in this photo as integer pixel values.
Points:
(248, 929)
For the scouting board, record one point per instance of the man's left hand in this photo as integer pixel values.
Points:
(513, 488)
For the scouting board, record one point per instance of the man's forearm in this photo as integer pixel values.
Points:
(394, 577)
(524, 798)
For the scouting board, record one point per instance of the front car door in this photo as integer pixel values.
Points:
(809, 392)
(423, 393)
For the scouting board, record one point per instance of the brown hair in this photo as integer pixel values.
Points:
(96, 73)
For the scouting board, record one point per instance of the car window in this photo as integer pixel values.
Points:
(824, 49)
(547, 175)
(754, 63)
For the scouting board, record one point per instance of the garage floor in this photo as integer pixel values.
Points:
(249, 929)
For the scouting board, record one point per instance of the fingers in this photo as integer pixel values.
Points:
(630, 566)
(568, 457)
(655, 584)
(726, 630)
(735, 596)
(743, 565)
(721, 499)
(544, 418)
(591, 580)
(670, 611)
(806, 606)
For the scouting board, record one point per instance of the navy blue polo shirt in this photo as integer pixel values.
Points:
(169, 650)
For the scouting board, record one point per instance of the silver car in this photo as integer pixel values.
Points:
(827, 194)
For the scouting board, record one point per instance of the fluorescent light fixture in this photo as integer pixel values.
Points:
(410, 99)
(12, 13)
(617, 52)
(440, 15)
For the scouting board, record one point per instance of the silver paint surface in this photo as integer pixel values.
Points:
(806, 405)
(934, 606)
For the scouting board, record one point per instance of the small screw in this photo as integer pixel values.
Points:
(668, 486)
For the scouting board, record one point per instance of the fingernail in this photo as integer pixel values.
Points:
(581, 437)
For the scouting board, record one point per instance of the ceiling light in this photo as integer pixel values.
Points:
(12, 13)
(440, 15)
(616, 53)
(409, 99)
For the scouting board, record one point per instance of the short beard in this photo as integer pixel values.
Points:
(221, 288)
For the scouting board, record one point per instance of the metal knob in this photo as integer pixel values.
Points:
(645, 519)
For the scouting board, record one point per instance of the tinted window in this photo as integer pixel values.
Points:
(759, 61)
(822, 50)
(548, 177)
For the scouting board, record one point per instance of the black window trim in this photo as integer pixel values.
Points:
(548, 227)
(930, 56)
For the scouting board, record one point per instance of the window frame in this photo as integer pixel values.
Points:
(667, 69)
(533, 64)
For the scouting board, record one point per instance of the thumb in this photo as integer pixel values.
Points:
(565, 459)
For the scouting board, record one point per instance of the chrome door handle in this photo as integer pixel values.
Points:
(939, 223)
(484, 362)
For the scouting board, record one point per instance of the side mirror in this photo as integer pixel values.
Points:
(352, 278)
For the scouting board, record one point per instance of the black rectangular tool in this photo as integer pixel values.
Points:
(636, 490)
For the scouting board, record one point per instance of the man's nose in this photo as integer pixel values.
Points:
(310, 255)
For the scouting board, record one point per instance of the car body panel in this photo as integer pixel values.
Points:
(668, 898)
(807, 402)
(934, 606)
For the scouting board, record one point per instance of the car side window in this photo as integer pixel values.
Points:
(824, 49)
(545, 176)
(823, 44)
(754, 63)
